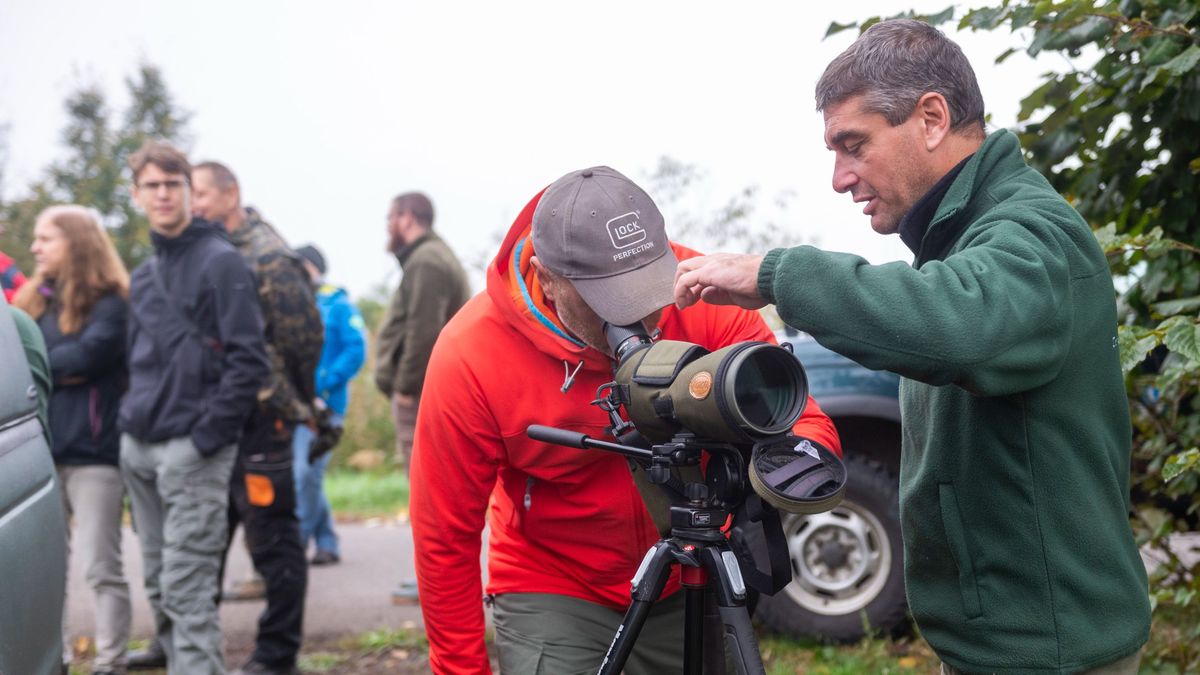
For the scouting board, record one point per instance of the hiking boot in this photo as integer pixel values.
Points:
(325, 558)
(405, 593)
(254, 588)
(255, 668)
(150, 658)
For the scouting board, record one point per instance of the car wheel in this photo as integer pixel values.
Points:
(846, 563)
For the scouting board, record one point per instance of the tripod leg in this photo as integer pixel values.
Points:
(648, 584)
(730, 592)
(715, 661)
(693, 631)
(739, 637)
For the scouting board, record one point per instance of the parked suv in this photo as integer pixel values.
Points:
(847, 564)
(33, 537)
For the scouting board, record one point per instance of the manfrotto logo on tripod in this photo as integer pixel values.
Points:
(625, 230)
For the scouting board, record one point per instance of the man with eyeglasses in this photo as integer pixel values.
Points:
(197, 360)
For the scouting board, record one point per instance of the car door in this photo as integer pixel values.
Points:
(33, 544)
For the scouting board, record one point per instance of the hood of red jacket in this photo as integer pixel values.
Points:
(512, 285)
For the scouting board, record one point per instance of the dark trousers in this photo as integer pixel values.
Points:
(263, 499)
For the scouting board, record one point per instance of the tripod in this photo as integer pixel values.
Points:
(707, 562)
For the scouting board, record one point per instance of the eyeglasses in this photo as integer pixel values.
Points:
(155, 185)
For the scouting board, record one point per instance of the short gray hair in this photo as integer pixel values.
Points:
(222, 176)
(894, 63)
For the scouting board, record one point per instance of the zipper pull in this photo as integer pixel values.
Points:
(528, 492)
(569, 375)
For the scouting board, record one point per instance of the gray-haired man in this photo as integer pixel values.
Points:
(1014, 490)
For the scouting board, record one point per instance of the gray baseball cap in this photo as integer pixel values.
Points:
(604, 233)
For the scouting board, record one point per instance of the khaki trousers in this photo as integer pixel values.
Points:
(406, 425)
(179, 501)
(93, 497)
(548, 634)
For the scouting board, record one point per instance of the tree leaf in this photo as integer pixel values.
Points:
(1151, 78)
(1107, 237)
(1090, 29)
(1162, 49)
(835, 28)
(1173, 307)
(941, 17)
(1135, 344)
(984, 18)
(1183, 337)
(1036, 99)
(1183, 63)
(1177, 464)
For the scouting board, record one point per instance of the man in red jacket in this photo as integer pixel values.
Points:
(10, 276)
(568, 527)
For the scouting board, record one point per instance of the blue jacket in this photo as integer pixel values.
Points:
(345, 346)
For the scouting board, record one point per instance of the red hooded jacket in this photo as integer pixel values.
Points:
(11, 278)
(563, 520)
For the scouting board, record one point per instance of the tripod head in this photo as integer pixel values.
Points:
(723, 487)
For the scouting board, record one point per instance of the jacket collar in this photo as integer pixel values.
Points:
(403, 251)
(245, 233)
(915, 223)
(513, 288)
(196, 230)
(1000, 154)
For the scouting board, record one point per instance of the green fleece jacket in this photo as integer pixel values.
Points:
(433, 288)
(1014, 479)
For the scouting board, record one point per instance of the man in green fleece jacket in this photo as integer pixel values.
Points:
(433, 287)
(1014, 479)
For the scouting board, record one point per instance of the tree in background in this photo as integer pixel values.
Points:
(734, 225)
(94, 171)
(1117, 132)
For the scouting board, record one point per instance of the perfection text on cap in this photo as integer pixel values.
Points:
(634, 251)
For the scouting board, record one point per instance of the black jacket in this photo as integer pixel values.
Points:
(88, 370)
(181, 383)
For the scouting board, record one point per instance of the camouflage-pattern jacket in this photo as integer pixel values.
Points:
(294, 333)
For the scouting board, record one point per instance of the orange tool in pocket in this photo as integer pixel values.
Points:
(259, 490)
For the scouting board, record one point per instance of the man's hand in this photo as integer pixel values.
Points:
(404, 400)
(719, 279)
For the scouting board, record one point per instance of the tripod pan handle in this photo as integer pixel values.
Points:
(571, 439)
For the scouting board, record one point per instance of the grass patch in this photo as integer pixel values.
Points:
(321, 662)
(786, 656)
(366, 494)
(386, 639)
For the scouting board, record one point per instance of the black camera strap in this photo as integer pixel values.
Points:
(779, 573)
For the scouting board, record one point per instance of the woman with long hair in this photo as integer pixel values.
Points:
(78, 295)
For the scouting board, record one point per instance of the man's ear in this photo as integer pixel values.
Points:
(933, 113)
(545, 278)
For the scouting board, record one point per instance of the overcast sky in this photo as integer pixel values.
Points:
(327, 111)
